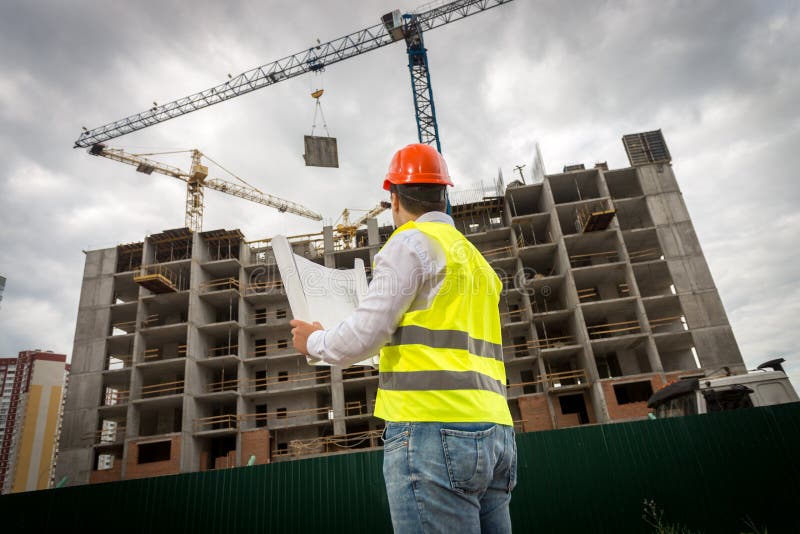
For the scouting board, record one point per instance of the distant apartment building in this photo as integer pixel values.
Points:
(183, 358)
(31, 399)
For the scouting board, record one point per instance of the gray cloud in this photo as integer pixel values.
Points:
(721, 78)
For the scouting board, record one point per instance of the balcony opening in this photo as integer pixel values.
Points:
(129, 257)
(575, 186)
(623, 183)
(533, 230)
(222, 244)
(526, 200)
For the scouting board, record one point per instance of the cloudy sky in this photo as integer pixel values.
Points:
(720, 78)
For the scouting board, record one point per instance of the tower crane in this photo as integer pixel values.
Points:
(347, 230)
(196, 181)
(394, 27)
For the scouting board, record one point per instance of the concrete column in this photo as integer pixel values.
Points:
(373, 239)
(241, 339)
(192, 377)
(337, 388)
(713, 338)
(84, 391)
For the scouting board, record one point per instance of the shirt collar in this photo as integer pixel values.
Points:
(436, 216)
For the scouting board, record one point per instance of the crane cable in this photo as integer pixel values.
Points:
(233, 175)
(187, 151)
(316, 94)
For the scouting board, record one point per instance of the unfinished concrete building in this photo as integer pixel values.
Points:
(183, 358)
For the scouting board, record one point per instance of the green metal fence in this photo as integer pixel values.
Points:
(708, 473)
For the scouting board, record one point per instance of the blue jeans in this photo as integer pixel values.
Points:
(448, 477)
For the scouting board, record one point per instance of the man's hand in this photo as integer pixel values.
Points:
(300, 332)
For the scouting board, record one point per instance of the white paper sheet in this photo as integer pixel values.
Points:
(318, 293)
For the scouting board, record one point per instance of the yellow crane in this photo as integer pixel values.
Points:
(197, 180)
(347, 230)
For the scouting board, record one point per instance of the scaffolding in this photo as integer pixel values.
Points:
(157, 279)
(595, 217)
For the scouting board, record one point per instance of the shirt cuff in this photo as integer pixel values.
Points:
(316, 344)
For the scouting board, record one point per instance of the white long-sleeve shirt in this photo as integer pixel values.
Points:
(407, 275)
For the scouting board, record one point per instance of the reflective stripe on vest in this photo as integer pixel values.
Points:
(446, 339)
(445, 363)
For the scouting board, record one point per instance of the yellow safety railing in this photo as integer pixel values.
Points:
(584, 260)
(219, 284)
(286, 414)
(513, 315)
(667, 321)
(496, 253)
(264, 316)
(257, 384)
(614, 329)
(164, 388)
(231, 384)
(256, 288)
(578, 375)
(645, 254)
(266, 350)
(563, 378)
(542, 343)
(359, 373)
(217, 422)
(156, 354)
(159, 271)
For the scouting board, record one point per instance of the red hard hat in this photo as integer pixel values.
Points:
(417, 164)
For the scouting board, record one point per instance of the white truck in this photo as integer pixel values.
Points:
(765, 386)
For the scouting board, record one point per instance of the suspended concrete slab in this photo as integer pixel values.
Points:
(321, 151)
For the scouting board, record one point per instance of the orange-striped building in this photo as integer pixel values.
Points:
(31, 396)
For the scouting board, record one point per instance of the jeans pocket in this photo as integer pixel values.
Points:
(467, 458)
(394, 436)
(512, 479)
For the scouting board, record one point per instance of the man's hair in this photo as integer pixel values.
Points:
(420, 198)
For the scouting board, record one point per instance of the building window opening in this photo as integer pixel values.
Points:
(633, 392)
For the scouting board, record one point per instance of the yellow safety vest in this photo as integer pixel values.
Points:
(445, 363)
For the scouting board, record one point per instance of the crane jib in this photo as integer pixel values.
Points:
(309, 60)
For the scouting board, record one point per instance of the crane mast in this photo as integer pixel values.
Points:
(427, 127)
(314, 59)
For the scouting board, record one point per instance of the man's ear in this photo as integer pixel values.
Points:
(395, 203)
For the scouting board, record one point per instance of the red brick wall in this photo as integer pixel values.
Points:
(566, 420)
(153, 469)
(534, 412)
(633, 409)
(674, 377)
(203, 461)
(224, 462)
(255, 442)
(107, 475)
